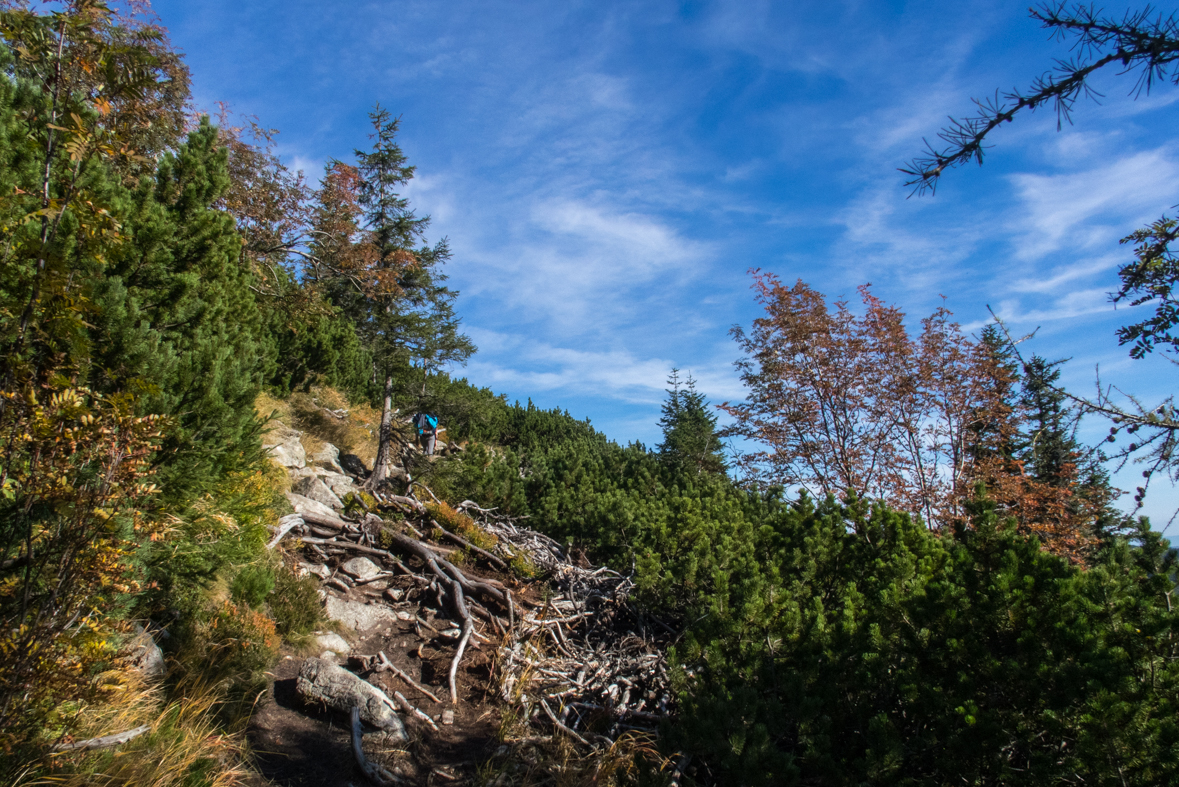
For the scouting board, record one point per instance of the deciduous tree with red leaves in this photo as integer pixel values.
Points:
(845, 402)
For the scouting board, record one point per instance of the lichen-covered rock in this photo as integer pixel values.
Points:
(328, 456)
(340, 484)
(356, 615)
(315, 489)
(318, 569)
(145, 655)
(305, 505)
(333, 642)
(360, 568)
(283, 444)
(324, 683)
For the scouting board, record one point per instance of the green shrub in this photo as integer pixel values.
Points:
(295, 603)
(252, 585)
(523, 567)
(228, 645)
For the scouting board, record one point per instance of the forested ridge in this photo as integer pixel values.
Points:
(913, 571)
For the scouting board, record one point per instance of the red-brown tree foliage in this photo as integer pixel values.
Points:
(843, 402)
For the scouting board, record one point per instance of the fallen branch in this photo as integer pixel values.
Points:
(391, 667)
(105, 742)
(375, 773)
(406, 501)
(468, 627)
(410, 709)
(498, 563)
(557, 723)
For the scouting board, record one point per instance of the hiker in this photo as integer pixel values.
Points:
(427, 431)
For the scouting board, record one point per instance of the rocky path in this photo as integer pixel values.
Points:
(486, 671)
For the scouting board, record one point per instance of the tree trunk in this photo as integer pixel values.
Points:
(384, 460)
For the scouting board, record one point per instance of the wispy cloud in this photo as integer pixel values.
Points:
(1078, 303)
(1081, 210)
(521, 363)
(1051, 281)
(583, 268)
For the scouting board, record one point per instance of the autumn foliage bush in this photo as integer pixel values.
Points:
(74, 478)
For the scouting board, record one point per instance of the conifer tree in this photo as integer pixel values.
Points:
(177, 320)
(1050, 449)
(689, 428)
(404, 312)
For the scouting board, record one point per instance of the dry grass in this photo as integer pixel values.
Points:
(312, 445)
(185, 745)
(531, 760)
(355, 433)
(271, 409)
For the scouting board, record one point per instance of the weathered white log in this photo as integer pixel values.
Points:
(468, 627)
(331, 685)
(105, 742)
(285, 525)
(406, 501)
(373, 772)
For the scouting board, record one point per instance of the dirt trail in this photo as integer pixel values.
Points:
(565, 663)
(298, 745)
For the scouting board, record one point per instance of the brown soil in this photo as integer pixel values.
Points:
(300, 746)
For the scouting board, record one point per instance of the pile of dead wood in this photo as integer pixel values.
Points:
(582, 660)
(588, 661)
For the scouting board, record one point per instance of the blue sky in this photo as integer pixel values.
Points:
(607, 172)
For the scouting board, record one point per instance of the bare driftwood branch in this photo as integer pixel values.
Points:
(373, 772)
(105, 742)
(413, 711)
(391, 667)
(285, 525)
(588, 646)
(468, 627)
(557, 723)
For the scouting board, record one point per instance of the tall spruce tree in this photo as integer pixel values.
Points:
(1049, 449)
(689, 428)
(407, 314)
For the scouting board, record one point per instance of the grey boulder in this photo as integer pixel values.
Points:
(144, 654)
(333, 642)
(314, 488)
(305, 505)
(284, 447)
(357, 615)
(340, 484)
(360, 568)
(328, 456)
